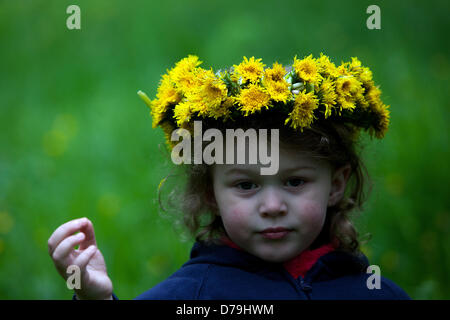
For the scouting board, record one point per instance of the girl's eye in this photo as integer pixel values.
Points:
(247, 185)
(295, 182)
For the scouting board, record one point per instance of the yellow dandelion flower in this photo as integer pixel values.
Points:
(167, 93)
(342, 70)
(307, 69)
(276, 73)
(212, 89)
(346, 102)
(328, 95)
(302, 114)
(278, 90)
(158, 111)
(373, 94)
(382, 119)
(348, 85)
(253, 99)
(185, 80)
(182, 112)
(362, 102)
(183, 74)
(209, 92)
(326, 67)
(190, 62)
(355, 63)
(365, 76)
(251, 70)
(222, 111)
(186, 64)
(198, 105)
(275, 84)
(168, 128)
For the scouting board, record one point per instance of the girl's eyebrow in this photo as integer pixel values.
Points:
(241, 171)
(298, 169)
(256, 171)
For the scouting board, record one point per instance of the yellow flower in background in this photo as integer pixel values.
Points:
(6, 222)
(251, 70)
(108, 205)
(307, 69)
(328, 95)
(253, 99)
(302, 114)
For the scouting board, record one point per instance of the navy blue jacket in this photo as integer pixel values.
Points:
(222, 272)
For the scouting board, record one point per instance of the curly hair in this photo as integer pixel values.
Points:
(333, 142)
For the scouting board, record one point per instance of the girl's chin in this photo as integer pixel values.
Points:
(275, 255)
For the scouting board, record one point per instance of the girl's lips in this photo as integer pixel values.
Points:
(275, 233)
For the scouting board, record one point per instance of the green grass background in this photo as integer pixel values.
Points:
(76, 140)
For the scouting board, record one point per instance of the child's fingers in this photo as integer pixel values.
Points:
(63, 232)
(88, 230)
(66, 246)
(83, 259)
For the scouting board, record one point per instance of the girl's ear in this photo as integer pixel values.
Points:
(338, 183)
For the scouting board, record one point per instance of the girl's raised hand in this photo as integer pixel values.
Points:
(94, 281)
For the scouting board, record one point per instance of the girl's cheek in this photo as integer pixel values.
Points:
(314, 214)
(237, 215)
(235, 219)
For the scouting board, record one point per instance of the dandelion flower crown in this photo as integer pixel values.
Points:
(309, 90)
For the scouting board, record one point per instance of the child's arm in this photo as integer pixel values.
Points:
(94, 281)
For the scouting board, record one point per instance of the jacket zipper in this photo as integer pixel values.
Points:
(301, 284)
(306, 288)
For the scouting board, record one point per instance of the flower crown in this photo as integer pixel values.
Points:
(310, 89)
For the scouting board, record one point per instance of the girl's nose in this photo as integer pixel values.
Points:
(272, 204)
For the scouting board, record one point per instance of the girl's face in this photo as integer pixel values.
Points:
(276, 217)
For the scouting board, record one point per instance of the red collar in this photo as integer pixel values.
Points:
(299, 265)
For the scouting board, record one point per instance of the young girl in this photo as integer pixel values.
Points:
(284, 235)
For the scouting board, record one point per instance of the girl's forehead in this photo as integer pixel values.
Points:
(289, 160)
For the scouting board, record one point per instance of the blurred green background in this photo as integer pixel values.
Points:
(77, 141)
